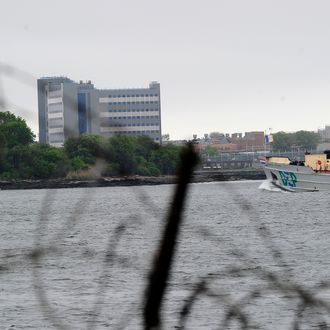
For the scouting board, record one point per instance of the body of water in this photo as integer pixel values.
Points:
(79, 258)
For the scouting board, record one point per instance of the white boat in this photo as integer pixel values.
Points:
(311, 175)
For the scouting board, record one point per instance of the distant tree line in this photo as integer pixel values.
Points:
(22, 158)
(303, 140)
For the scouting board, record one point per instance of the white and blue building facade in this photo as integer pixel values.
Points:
(69, 109)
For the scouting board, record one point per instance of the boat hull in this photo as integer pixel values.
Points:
(297, 178)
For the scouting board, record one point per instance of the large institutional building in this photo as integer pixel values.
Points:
(69, 109)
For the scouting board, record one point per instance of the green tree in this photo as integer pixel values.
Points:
(87, 147)
(306, 140)
(210, 151)
(153, 169)
(78, 164)
(121, 152)
(2, 151)
(301, 139)
(144, 146)
(142, 166)
(283, 141)
(35, 161)
(167, 158)
(15, 130)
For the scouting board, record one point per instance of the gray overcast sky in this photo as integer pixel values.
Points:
(228, 66)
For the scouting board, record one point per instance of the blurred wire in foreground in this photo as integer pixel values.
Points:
(164, 256)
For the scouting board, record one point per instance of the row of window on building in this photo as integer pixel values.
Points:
(132, 110)
(135, 102)
(139, 132)
(131, 125)
(138, 95)
(136, 117)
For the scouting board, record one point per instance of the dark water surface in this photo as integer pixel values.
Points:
(93, 275)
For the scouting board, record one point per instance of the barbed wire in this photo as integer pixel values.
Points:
(301, 297)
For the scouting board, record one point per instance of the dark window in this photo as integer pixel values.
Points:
(82, 113)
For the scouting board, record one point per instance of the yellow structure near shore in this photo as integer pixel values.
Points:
(318, 162)
(279, 160)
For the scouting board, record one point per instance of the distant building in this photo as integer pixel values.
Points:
(252, 141)
(69, 109)
(324, 134)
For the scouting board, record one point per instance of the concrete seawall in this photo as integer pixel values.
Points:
(199, 176)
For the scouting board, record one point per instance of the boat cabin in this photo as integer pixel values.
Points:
(318, 162)
(278, 160)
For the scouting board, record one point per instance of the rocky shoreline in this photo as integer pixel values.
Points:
(199, 176)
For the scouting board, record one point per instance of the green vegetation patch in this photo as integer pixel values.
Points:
(22, 158)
